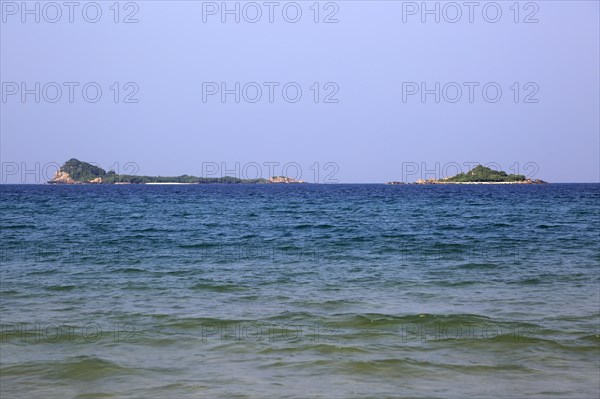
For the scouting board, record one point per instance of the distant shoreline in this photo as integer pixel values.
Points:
(162, 183)
(305, 184)
(75, 171)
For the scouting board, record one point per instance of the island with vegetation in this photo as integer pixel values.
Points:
(481, 175)
(75, 171)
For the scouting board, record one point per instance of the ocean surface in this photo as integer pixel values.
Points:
(276, 291)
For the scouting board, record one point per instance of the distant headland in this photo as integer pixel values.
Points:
(479, 175)
(75, 171)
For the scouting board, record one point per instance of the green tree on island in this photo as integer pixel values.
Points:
(483, 174)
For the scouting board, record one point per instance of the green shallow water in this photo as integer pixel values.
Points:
(340, 291)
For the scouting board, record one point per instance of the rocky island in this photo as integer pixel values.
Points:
(482, 175)
(75, 171)
(478, 175)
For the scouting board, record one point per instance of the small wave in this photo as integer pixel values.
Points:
(325, 226)
(305, 365)
(19, 226)
(528, 281)
(199, 245)
(476, 265)
(547, 226)
(305, 226)
(292, 316)
(460, 283)
(218, 287)
(75, 368)
(593, 339)
(184, 272)
(325, 349)
(450, 227)
(129, 270)
(413, 366)
(329, 304)
(151, 230)
(43, 272)
(208, 323)
(61, 287)
(377, 320)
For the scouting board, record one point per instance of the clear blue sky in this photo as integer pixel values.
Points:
(369, 54)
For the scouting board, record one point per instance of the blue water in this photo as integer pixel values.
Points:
(332, 291)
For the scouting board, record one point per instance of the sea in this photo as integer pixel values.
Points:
(300, 291)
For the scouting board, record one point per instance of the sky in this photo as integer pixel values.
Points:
(328, 92)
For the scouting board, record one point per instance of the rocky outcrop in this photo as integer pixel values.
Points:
(61, 177)
(283, 179)
(428, 181)
(75, 171)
